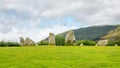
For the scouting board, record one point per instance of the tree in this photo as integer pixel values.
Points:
(9, 44)
(43, 42)
(60, 40)
(86, 42)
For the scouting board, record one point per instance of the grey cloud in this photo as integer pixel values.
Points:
(5, 29)
(86, 11)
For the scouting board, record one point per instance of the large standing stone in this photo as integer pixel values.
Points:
(70, 38)
(22, 42)
(51, 40)
(102, 43)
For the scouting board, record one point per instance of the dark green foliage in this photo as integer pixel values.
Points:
(60, 40)
(69, 44)
(43, 42)
(8, 44)
(113, 43)
(86, 42)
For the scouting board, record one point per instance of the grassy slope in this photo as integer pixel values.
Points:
(60, 57)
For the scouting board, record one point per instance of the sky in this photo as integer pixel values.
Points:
(37, 18)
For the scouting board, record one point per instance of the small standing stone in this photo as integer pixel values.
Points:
(116, 45)
(81, 44)
(29, 42)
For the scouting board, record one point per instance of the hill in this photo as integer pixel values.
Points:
(113, 35)
(92, 33)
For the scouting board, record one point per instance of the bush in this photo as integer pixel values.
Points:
(113, 43)
(8, 44)
(86, 42)
(43, 42)
(60, 40)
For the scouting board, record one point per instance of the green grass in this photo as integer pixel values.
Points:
(60, 57)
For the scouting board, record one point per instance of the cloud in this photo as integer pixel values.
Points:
(85, 11)
(34, 34)
(36, 18)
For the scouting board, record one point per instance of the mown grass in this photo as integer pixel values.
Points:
(60, 57)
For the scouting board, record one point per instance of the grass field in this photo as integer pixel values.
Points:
(60, 57)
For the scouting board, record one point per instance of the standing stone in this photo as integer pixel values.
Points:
(70, 38)
(29, 42)
(26, 42)
(22, 42)
(51, 40)
(81, 44)
(116, 45)
(102, 43)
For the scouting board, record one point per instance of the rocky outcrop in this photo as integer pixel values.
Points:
(102, 43)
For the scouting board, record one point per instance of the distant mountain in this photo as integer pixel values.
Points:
(92, 33)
